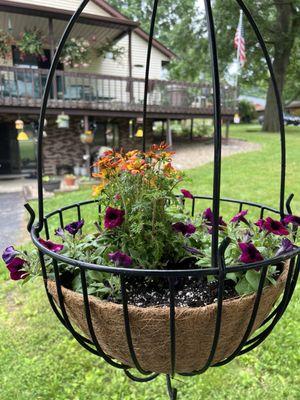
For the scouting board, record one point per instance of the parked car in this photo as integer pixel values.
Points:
(288, 119)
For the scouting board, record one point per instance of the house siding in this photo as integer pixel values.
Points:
(120, 67)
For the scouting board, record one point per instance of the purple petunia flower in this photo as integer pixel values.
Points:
(240, 217)
(208, 217)
(120, 259)
(51, 246)
(250, 253)
(261, 224)
(15, 269)
(9, 254)
(187, 194)
(286, 247)
(191, 250)
(275, 227)
(185, 229)
(60, 232)
(113, 218)
(74, 227)
(291, 219)
(272, 226)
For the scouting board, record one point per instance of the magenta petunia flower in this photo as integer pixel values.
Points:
(261, 224)
(15, 269)
(291, 219)
(187, 194)
(74, 227)
(275, 227)
(185, 229)
(250, 253)
(9, 254)
(286, 247)
(120, 259)
(113, 218)
(240, 217)
(51, 246)
(208, 217)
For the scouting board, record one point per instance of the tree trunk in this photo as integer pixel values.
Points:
(283, 44)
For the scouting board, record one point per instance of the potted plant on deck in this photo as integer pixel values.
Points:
(144, 225)
(63, 121)
(5, 45)
(51, 183)
(70, 179)
(31, 42)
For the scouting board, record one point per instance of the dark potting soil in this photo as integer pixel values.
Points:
(189, 292)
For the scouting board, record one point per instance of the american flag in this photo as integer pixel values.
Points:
(239, 42)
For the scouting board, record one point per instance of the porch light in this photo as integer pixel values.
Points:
(19, 124)
(87, 137)
(139, 133)
(22, 136)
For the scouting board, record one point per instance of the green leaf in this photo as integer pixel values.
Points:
(232, 276)
(253, 278)
(243, 287)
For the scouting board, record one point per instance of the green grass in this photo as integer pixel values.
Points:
(40, 360)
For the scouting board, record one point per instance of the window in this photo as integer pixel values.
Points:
(164, 72)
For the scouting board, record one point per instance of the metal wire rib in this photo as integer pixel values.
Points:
(289, 289)
(150, 40)
(127, 328)
(64, 312)
(90, 324)
(46, 94)
(217, 130)
(172, 327)
(139, 379)
(252, 318)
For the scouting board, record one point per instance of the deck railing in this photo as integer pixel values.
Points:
(24, 87)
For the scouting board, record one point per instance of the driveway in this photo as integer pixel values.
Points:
(12, 219)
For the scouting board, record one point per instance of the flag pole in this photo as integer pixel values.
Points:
(238, 61)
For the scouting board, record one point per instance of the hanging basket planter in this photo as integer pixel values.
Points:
(63, 121)
(150, 328)
(150, 243)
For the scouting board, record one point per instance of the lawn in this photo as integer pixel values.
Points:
(40, 360)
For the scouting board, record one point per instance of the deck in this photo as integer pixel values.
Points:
(21, 90)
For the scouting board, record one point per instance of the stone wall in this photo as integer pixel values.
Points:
(62, 147)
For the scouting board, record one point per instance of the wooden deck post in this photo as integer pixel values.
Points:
(169, 134)
(227, 130)
(192, 129)
(130, 66)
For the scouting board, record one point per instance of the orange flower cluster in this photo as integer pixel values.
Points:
(136, 162)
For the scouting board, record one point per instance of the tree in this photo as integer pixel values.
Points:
(279, 22)
(180, 26)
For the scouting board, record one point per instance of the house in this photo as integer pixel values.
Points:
(103, 94)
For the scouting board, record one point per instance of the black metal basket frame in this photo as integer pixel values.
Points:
(218, 266)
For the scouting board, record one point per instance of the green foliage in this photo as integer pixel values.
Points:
(76, 53)
(247, 111)
(31, 42)
(5, 44)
